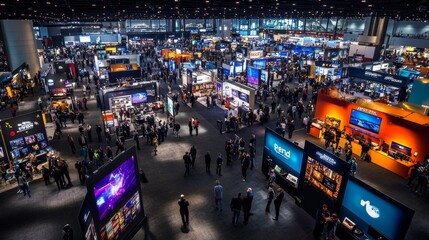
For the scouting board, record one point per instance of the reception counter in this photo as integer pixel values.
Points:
(400, 167)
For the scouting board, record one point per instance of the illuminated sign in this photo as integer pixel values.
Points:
(326, 158)
(27, 125)
(281, 151)
(372, 211)
(256, 54)
(369, 111)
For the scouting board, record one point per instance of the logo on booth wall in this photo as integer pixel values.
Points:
(372, 112)
(371, 210)
(281, 151)
(326, 158)
(27, 125)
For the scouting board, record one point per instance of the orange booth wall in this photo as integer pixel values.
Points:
(392, 128)
(122, 67)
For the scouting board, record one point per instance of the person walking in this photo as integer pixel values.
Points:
(98, 130)
(353, 167)
(57, 177)
(196, 124)
(270, 197)
(208, 159)
(190, 126)
(219, 162)
(218, 194)
(45, 174)
(88, 132)
(236, 205)
(136, 139)
(321, 217)
(155, 144)
(245, 165)
(247, 205)
(184, 211)
(278, 201)
(193, 153)
(65, 171)
(187, 160)
(71, 144)
(23, 184)
(80, 170)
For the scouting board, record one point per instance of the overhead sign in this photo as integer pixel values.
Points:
(256, 54)
(378, 77)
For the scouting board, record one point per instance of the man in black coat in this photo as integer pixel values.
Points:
(184, 210)
(187, 160)
(208, 159)
(277, 202)
(219, 162)
(245, 165)
(193, 153)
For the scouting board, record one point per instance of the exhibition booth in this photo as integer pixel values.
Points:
(200, 83)
(177, 55)
(313, 176)
(113, 205)
(141, 100)
(24, 135)
(327, 69)
(236, 95)
(378, 85)
(396, 137)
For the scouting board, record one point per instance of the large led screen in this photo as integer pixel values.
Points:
(253, 76)
(365, 206)
(365, 121)
(286, 154)
(139, 97)
(114, 187)
(122, 219)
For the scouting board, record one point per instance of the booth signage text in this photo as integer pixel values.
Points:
(369, 111)
(326, 158)
(378, 77)
(281, 151)
(256, 54)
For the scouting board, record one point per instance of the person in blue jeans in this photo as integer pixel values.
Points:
(236, 205)
(24, 185)
(218, 193)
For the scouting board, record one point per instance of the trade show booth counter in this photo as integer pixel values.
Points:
(396, 138)
(238, 95)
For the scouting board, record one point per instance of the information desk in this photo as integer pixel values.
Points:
(400, 167)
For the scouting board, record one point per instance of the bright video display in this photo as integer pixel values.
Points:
(323, 178)
(112, 189)
(286, 154)
(139, 97)
(243, 96)
(43, 144)
(30, 139)
(39, 136)
(253, 76)
(122, 219)
(400, 148)
(366, 206)
(365, 121)
(17, 143)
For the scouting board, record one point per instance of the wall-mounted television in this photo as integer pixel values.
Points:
(17, 143)
(114, 187)
(243, 96)
(400, 148)
(366, 121)
(30, 139)
(253, 76)
(39, 136)
(139, 97)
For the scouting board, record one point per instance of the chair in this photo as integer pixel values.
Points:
(10, 178)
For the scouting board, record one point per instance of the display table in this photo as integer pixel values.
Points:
(400, 167)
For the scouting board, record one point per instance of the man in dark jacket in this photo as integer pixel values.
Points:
(245, 165)
(193, 153)
(277, 202)
(187, 160)
(184, 210)
(219, 162)
(236, 205)
(208, 159)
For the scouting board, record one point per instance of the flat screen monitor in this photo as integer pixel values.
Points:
(400, 148)
(17, 143)
(114, 187)
(84, 39)
(253, 76)
(234, 93)
(30, 139)
(40, 136)
(368, 208)
(366, 121)
(24, 151)
(15, 154)
(35, 147)
(243, 97)
(139, 97)
(43, 144)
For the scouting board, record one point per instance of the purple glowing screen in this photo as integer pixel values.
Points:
(114, 187)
